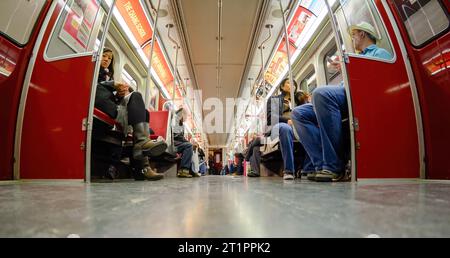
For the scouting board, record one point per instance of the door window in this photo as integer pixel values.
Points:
(423, 19)
(18, 18)
(309, 83)
(78, 29)
(358, 20)
(334, 76)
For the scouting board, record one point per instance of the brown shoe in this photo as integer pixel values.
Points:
(154, 148)
(142, 142)
(184, 173)
(151, 174)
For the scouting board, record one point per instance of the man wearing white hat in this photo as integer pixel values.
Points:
(319, 124)
(365, 38)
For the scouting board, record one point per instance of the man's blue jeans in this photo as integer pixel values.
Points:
(286, 137)
(319, 127)
(186, 151)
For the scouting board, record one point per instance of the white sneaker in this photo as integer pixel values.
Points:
(288, 176)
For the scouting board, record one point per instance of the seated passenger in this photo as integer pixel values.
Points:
(253, 155)
(302, 98)
(306, 168)
(183, 146)
(127, 108)
(237, 166)
(203, 166)
(320, 124)
(196, 160)
(280, 125)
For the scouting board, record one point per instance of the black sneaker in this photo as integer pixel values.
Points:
(112, 173)
(326, 176)
(311, 176)
(252, 174)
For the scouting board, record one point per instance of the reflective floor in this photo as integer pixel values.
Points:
(216, 206)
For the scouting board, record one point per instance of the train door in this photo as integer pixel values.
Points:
(20, 22)
(52, 131)
(424, 26)
(387, 139)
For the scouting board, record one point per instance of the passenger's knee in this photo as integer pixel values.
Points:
(320, 94)
(285, 129)
(302, 113)
(136, 95)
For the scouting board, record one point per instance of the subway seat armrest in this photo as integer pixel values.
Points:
(269, 145)
(101, 116)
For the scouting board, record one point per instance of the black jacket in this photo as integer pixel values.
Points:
(105, 100)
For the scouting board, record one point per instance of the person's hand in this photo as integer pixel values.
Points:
(335, 64)
(290, 122)
(123, 89)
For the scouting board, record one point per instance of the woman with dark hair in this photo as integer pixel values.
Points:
(127, 107)
(279, 121)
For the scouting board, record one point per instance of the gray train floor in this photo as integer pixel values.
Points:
(224, 206)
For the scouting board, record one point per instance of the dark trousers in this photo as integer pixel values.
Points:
(135, 108)
(254, 155)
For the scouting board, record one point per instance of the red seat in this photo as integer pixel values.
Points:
(159, 122)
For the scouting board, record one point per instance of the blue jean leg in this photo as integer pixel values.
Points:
(307, 165)
(305, 122)
(330, 103)
(186, 150)
(286, 136)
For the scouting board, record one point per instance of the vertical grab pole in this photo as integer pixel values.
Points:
(175, 68)
(344, 60)
(90, 118)
(262, 47)
(149, 70)
(291, 80)
(177, 47)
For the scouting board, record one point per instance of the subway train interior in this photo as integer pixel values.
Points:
(225, 118)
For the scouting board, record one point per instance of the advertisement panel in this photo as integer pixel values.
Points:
(79, 23)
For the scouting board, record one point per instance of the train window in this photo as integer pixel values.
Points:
(309, 83)
(333, 76)
(18, 18)
(77, 30)
(423, 19)
(363, 15)
(128, 78)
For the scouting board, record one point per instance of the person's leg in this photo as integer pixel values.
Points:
(256, 157)
(186, 151)
(136, 109)
(139, 118)
(308, 166)
(305, 122)
(286, 137)
(329, 103)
